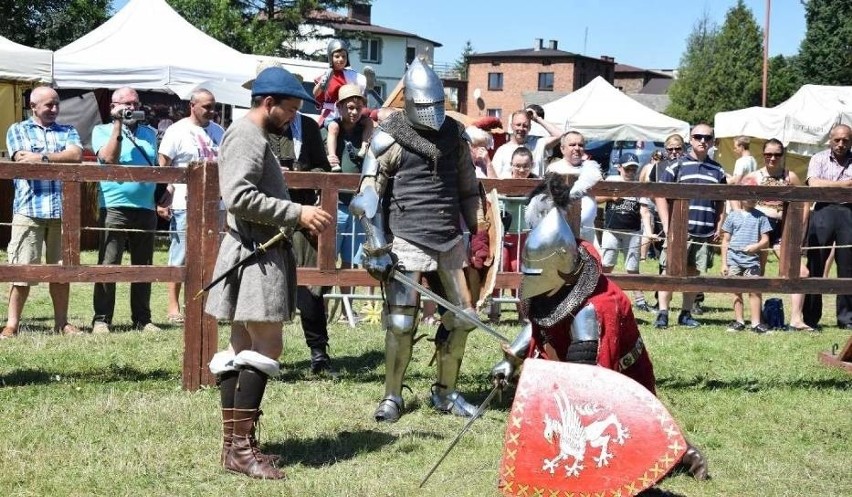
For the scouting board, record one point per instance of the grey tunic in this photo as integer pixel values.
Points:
(255, 196)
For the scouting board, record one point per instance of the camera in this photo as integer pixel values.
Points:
(129, 115)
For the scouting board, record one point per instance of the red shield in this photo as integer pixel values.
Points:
(578, 430)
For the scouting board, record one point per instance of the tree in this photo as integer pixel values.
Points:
(460, 65)
(50, 24)
(785, 78)
(688, 94)
(263, 27)
(825, 55)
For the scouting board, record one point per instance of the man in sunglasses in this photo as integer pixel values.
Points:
(705, 217)
(831, 223)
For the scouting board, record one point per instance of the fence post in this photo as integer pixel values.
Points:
(792, 240)
(71, 202)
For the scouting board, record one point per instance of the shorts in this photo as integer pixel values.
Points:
(177, 228)
(698, 254)
(775, 234)
(416, 258)
(513, 243)
(612, 243)
(31, 236)
(735, 270)
(350, 236)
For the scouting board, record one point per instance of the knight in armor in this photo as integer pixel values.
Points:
(417, 183)
(576, 313)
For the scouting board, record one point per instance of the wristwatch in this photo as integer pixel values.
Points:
(44, 158)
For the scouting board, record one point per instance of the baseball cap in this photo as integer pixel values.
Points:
(349, 91)
(629, 159)
(279, 81)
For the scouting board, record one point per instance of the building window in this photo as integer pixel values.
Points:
(495, 81)
(371, 50)
(380, 88)
(409, 55)
(545, 81)
(495, 113)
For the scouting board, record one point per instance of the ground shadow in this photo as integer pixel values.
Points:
(751, 384)
(111, 373)
(329, 450)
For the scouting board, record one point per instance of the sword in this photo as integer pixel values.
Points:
(464, 429)
(260, 250)
(405, 280)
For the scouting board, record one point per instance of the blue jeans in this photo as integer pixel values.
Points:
(177, 226)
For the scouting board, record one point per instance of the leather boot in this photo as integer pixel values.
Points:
(227, 433)
(321, 362)
(244, 456)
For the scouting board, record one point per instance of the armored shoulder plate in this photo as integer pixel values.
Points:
(586, 327)
(379, 143)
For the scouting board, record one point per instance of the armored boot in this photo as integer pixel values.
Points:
(399, 342)
(244, 456)
(445, 398)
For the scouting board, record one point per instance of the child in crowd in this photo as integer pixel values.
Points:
(745, 233)
(350, 132)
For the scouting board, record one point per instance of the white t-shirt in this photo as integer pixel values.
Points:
(744, 165)
(502, 160)
(184, 142)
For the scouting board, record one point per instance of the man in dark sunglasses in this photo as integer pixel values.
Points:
(705, 217)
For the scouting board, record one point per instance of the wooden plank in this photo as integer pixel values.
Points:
(41, 273)
(843, 359)
(677, 238)
(792, 237)
(71, 200)
(209, 250)
(731, 284)
(193, 347)
(327, 243)
(92, 172)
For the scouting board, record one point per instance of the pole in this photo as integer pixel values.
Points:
(766, 52)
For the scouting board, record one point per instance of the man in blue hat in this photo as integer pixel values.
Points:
(261, 296)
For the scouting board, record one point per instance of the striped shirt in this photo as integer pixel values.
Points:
(702, 212)
(39, 198)
(746, 228)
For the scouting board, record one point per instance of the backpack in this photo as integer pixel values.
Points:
(773, 313)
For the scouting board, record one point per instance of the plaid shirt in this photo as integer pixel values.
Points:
(39, 198)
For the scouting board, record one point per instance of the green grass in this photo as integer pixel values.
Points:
(105, 415)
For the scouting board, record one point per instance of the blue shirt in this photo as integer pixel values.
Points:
(39, 198)
(128, 193)
(746, 228)
(702, 212)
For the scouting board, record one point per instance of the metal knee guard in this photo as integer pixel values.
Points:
(400, 322)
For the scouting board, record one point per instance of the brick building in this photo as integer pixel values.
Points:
(502, 82)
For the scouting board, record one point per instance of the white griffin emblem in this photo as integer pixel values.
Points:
(572, 435)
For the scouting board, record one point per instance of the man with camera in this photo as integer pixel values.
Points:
(127, 209)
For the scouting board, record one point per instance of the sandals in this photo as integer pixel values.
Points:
(175, 318)
(804, 327)
(67, 329)
(8, 332)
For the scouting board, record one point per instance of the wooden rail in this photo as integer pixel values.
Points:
(201, 331)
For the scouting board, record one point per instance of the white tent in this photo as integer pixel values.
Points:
(602, 112)
(147, 45)
(21, 68)
(802, 122)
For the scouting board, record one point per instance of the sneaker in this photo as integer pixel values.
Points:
(100, 328)
(760, 329)
(662, 321)
(644, 307)
(149, 328)
(736, 326)
(685, 319)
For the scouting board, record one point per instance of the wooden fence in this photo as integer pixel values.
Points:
(201, 330)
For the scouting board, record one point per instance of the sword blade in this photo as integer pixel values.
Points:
(458, 311)
(464, 429)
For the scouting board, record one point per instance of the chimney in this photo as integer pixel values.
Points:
(554, 45)
(538, 44)
(607, 58)
(360, 12)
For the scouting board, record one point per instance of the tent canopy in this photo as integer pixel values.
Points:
(802, 122)
(22, 63)
(602, 112)
(147, 45)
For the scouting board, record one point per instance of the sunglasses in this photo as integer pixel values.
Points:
(772, 155)
(674, 149)
(702, 138)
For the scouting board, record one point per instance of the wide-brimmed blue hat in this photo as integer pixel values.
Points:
(279, 81)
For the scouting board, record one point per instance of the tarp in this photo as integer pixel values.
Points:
(22, 63)
(802, 122)
(147, 45)
(602, 112)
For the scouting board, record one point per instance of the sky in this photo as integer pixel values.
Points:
(650, 34)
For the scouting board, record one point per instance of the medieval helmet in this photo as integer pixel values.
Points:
(334, 46)
(549, 256)
(424, 96)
